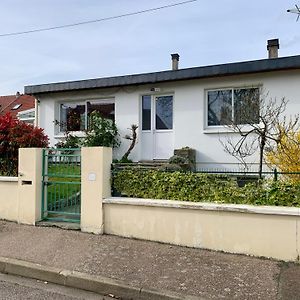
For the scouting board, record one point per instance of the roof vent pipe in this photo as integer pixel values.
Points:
(175, 60)
(273, 46)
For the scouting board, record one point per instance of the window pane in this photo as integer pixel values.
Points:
(26, 115)
(105, 108)
(246, 106)
(146, 113)
(72, 116)
(164, 112)
(219, 107)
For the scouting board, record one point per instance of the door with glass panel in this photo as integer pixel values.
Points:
(157, 127)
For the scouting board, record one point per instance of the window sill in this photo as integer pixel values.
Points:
(215, 130)
(62, 135)
(224, 129)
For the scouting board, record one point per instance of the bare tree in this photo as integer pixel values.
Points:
(260, 124)
(131, 137)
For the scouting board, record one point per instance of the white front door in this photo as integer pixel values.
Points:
(157, 127)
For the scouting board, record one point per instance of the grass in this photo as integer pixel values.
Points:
(64, 184)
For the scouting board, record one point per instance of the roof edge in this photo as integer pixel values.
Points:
(228, 69)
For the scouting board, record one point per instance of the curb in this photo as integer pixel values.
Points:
(98, 284)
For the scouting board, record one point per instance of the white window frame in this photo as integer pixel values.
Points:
(23, 112)
(223, 128)
(85, 101)
(153, 112)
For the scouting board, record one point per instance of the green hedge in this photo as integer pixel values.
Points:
(203, 188)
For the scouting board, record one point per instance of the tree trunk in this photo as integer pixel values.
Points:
(261, 155)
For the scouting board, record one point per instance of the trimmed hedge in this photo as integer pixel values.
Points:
(198, 187)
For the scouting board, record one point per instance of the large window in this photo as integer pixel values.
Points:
(74, 116)
(227, 106)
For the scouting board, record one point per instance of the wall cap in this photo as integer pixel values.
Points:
(8, 179)
(239, 208)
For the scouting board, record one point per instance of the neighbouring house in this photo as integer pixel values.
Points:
(19, 106)
(173, 109)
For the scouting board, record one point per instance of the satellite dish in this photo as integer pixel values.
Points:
(295, 11)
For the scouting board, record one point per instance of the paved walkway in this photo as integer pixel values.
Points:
(207, 274)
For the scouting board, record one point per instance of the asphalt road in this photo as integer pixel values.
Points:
(15, 288)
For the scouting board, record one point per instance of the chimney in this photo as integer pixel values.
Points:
(273, 46)
(175, 60)
(18, 94)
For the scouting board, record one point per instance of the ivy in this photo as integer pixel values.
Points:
(196, 187)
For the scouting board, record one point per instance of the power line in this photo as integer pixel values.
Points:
(97, 20)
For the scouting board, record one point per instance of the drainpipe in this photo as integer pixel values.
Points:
(36, 112)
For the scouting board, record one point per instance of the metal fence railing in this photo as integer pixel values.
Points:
(275, 174)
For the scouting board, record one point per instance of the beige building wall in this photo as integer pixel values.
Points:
(9, 198)
(95, 185)
(259, 231)
(30, 185)
(20, 197)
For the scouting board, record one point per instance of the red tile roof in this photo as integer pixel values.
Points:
(7, 103)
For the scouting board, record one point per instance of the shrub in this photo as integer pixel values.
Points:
(198, 187)
(285, 155)
(70, 141)
(15, 134)
(101, 132)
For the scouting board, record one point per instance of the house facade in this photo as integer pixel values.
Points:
(173, 109)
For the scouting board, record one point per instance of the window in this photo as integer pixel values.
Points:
(146, 113)
(164, 112)
(17, 106)
(74, 116)
(240, 106)
(157, 112)
(27, 116)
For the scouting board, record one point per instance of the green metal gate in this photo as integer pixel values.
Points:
(61, 189)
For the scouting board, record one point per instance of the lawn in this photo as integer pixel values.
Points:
(63, 188)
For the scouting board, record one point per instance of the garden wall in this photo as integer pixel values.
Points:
(20, 197)
(9, 198)
(252, 230)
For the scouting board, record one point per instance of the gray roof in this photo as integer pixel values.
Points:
(247, 67)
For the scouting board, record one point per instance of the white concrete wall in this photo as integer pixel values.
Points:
(189, 110)
(245, 229)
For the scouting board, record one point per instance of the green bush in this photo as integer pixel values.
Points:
(203, 188)
(101, 132)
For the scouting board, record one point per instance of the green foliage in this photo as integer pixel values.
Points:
(122, 161)
(101, 132)
(176, 159)
(70, 141)
(203, 188)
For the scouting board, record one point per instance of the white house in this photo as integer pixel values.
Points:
(173, 109)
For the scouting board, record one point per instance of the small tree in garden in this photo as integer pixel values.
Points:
(15, 134)
(133, 138)
(286, 155)
(260, 125)
(101, 132)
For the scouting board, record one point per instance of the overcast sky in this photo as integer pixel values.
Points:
(204, 32)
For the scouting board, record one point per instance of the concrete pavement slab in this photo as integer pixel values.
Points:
(143, 264)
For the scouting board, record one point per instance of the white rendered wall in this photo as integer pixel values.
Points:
(189, 110)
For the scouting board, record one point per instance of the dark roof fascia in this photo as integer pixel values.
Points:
(248, 67)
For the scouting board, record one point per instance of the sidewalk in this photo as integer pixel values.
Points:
(202, 273)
